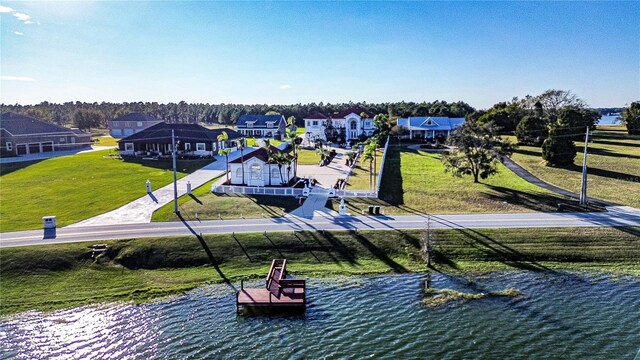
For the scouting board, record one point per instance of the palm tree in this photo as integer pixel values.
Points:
(370, 154)
(267, 146)
(292, 136)
(280, 159)
(324, 154)
(226, 151)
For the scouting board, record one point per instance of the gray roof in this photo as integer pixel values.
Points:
(259, 121)
(161, 133)
(17, 124)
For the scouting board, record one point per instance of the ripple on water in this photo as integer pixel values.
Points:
(572, 315)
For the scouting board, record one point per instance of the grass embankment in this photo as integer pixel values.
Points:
(415, 182)
(54, 276)
(613, 167)
(359, 178)
(76, 187)
(215, 206)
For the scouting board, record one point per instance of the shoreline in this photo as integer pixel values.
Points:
(51, 277)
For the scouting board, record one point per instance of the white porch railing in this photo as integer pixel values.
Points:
(255, 190)
(356, 194)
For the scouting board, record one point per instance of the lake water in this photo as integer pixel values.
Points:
(610, 120)
(559, 315)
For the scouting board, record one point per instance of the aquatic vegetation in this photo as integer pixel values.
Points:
(438, 297)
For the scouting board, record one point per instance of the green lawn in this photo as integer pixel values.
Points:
(213, 206)
(308, 157)
(55, 276)
(105, 141)
(76, 187)
(359, 178)
(415, 182)
(613, 166)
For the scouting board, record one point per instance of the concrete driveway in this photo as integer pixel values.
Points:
(328, 175)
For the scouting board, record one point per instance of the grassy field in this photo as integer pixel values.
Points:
(55, 276)
(213, 206)
(613, 165)
(76, 187)
(308, 157)
(105, 141)
(415, 182)
(359, 179)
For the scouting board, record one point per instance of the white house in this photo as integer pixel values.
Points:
(349, 123)
(429, 127)
(258, 170)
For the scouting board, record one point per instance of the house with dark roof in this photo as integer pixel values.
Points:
(22, 135)
(130, 124)
(191, 141)
(430, 127)
(268, 126)
(350, 123)
(259, 169)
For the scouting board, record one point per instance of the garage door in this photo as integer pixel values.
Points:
(34, 148)
(47, 147)
(21, 149)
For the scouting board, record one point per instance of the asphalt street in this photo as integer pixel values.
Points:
(292, 223)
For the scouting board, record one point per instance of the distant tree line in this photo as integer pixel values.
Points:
(228, 114)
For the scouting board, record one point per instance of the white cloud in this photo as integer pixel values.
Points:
(285, 87)
(18, 33)
(22, 16)
(28, 22)
(16, 78)
(4, 9)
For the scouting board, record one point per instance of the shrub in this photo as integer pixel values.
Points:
(558, 149)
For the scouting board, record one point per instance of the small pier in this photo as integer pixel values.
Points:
(279, 293)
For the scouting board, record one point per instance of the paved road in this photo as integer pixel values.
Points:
(292, 223)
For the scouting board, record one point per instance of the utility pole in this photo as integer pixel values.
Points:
(175, 176)
(583, 190)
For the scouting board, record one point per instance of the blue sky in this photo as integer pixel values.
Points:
(290, 52)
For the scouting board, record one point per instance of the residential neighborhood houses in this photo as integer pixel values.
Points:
(430, 128)
(131, 123)
(345, 125)
(191, 141)
(270, 126)
(24, 135)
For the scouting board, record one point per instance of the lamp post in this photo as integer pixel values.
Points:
(175, 176)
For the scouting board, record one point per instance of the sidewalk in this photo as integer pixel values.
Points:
(141, 210)
(314, 206)
(52, 154)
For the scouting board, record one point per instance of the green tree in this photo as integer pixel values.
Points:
(292, 136)
(381, 121)
(578, 119)
(241, 147)
(281, 159)
(531, 130)
(476, 149)
(226, 151)
(558, 149)
(86, 118)
(631, 118)
(369, 153)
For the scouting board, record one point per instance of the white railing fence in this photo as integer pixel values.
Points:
(256, 190)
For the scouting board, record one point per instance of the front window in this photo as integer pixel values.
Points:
(214, 147)
(73, 140)
(256, 172)
(187, 146)
(315, 123)
(249, 124)
(200, 147)
(275, 173)
(128, 146)
(139, 124)
(9, 146)
(270, 125)
(62, 139)
(239, 173)
(353, 125)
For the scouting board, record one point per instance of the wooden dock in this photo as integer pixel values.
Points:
(279, 292)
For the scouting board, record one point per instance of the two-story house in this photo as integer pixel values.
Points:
(130, 124)
(269, 126)
(351, 123)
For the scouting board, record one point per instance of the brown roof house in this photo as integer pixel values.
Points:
(22, 135)
(191, 141)
(350, 123)
(260, 169)
(130, 124)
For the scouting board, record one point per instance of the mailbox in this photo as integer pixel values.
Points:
(49, 222)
